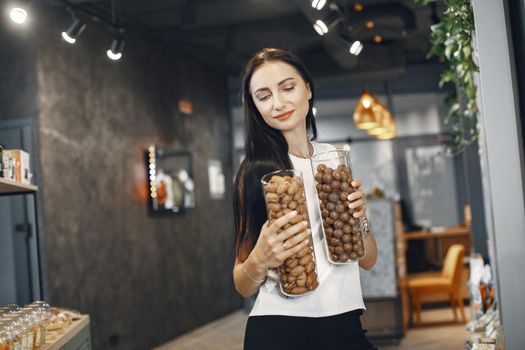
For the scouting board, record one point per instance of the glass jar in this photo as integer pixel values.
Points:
(14, 332)
(41, 317)
(342, 232)
(283, 193)
(28, 324)
(4, 336)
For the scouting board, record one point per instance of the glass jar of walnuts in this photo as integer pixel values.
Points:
(283, 193)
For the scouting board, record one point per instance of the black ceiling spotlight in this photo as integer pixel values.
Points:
(318, 4)
(115, 52)
(356, 47)
(75, 29)
(322, 26)
(18, 12)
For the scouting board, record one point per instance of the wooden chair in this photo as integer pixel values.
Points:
(449, 282)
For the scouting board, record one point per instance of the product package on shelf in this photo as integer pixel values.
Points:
(485, 328)
(16, 165)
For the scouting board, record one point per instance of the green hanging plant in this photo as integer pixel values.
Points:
(450, 40)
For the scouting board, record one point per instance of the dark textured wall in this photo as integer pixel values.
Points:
(144, 279)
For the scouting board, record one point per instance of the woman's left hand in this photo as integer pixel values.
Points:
(357, 200)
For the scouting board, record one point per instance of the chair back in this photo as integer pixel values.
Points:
(453, 264)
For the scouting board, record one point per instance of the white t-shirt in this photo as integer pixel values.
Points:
(339, 287)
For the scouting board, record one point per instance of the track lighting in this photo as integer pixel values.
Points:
(318, 4)
(356, 48)
(18, 14)
(320, 27)
(115, 52)
(74, 30)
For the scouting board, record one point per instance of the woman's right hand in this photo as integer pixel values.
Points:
(273, 248)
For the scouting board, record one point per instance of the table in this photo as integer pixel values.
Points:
(440, 239)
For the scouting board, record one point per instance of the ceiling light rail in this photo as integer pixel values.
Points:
(78, 25)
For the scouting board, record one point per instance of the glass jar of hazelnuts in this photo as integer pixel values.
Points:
(342, 232)
(283, 193)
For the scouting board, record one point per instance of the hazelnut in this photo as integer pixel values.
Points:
(343, 257)
(333, 197)
(335, 242)
(340, 208)
(327, 178)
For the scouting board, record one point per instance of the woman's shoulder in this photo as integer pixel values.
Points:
(322, 147)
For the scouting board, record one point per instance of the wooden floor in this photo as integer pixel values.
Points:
(227, 333)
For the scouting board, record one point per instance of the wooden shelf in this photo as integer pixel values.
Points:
(69, 333)
(9, 186)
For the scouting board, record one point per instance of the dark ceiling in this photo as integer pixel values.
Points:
(225, 33)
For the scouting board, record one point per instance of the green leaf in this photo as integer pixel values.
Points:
(446, 77)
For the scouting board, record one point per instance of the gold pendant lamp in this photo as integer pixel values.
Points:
(364, 116)
(386, 121)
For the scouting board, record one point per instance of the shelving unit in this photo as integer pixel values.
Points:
(11, 188)
(75, 336)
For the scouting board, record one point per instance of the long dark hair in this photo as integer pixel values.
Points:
(266, 150)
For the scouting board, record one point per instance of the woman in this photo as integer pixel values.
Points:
(278, 96)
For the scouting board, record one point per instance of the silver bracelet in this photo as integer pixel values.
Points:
(364, 227)
(250, 277)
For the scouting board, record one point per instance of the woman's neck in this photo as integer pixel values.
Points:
(298, 144)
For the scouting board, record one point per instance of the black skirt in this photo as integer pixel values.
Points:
(336, 332)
